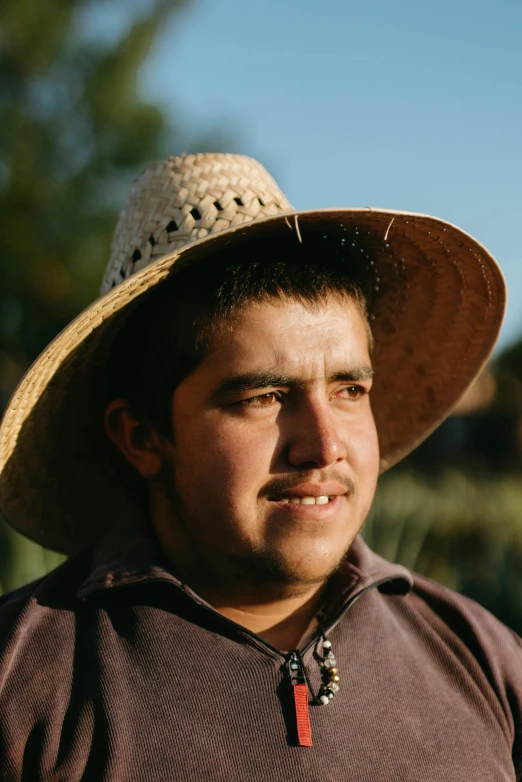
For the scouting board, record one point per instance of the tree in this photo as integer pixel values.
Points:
(73, 134)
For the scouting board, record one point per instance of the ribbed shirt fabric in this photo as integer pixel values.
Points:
(112, 669)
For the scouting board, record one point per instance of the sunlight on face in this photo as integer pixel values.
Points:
(275, 456)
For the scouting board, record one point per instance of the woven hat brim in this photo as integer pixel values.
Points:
(437, 303)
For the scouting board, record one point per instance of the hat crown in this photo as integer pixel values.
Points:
(182, 199)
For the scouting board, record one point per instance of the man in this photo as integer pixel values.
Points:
(203, 436)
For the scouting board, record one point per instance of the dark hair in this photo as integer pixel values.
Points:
(170, 330)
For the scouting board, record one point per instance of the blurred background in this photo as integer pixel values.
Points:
(404, 105)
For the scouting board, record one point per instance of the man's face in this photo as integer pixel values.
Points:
(275, 455)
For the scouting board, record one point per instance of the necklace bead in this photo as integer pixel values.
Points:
(330, 673)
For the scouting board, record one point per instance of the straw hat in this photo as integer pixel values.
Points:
(436, 299)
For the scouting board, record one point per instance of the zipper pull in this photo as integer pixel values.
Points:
(300, 692)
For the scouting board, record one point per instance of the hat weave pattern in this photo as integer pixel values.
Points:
(183, 199)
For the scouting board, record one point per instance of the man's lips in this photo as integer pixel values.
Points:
(328, 489)
(309, 496)
(309, 506)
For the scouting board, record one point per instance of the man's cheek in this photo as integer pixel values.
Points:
(245, 456)
(367, 445)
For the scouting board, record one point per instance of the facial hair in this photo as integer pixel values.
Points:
(264, 569)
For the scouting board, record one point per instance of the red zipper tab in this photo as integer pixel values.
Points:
(302, 715)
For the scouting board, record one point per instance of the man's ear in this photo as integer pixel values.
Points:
(140, 443)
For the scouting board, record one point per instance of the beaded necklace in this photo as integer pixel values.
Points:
(301, 686)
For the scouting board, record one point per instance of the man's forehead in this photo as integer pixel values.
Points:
(282, 327)
(292, 342)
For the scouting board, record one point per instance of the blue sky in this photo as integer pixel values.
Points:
(406, 105)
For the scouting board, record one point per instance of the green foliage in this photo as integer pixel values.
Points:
(464, 531)
(22, 561)
(508, 369)
(73, 134)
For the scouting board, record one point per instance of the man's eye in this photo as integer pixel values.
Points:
(353, 392)
(262, 400)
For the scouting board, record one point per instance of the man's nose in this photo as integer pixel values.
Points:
(314, 440)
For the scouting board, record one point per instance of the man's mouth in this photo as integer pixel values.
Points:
(321, 500)
(325, 493)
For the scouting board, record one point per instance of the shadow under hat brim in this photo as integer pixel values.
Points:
(436, 299)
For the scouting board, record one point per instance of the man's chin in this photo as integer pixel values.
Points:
(273, 571)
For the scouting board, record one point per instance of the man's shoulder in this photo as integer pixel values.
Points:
(453, 616)
(12, 603)
(45, 599)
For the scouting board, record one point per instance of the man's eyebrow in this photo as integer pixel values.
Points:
(353, 375)
(251, 381)
(256, 380)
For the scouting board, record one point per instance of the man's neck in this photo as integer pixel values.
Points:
(281, 615)
(282, 623)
